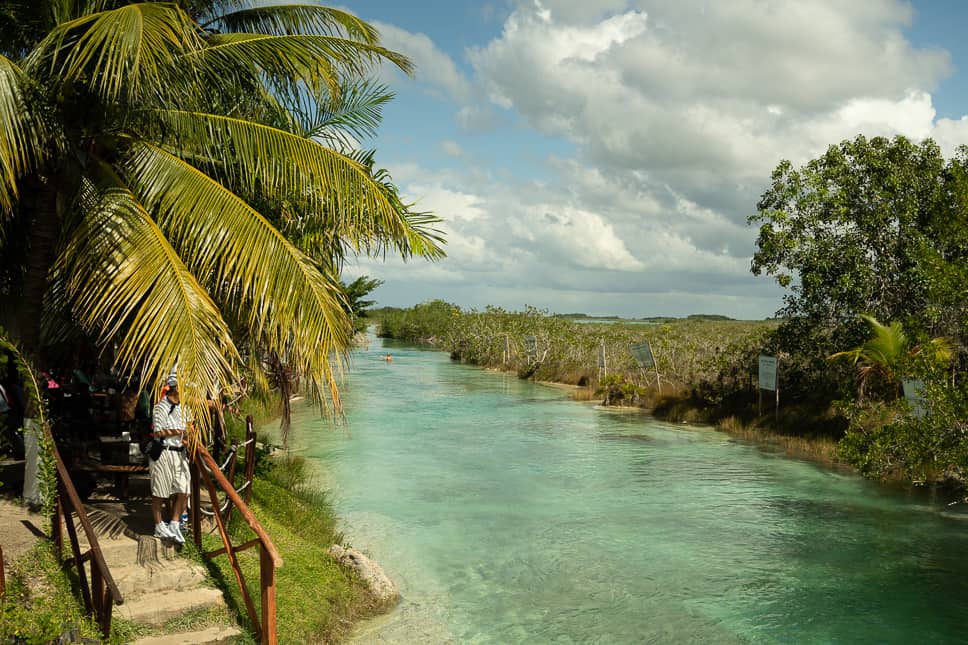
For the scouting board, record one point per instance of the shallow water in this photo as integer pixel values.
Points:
(507, 513)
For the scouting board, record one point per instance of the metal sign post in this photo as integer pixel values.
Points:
(602, 367)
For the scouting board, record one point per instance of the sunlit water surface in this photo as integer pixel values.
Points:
(507, 513)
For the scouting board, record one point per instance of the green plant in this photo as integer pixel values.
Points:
(39, 606)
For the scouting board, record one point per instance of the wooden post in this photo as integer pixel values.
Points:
(249, 459)
(196, 503)
(776, 413)
(267, 576)
(76, 549)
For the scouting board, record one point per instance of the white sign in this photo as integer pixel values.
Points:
(531, 346)
(768, 373)
(914, 393)
(643, 355)
(601, 357)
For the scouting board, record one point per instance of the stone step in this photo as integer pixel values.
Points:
(207, 636)
(135, 580)
(145, 550)
(157, 608)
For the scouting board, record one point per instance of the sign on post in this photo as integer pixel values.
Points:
(768, 373)
(642, 353)
(601, 360)
(914, 393)
(531, 347)
(767, 381)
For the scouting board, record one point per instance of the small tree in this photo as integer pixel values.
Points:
(356, 306)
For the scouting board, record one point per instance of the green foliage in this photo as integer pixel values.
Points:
(707, 358)
(885, 355)
(39, 606)
(885, 439)
(356, 306)
(873, 226)
(618, 389)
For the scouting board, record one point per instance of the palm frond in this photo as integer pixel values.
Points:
(130, 51)
(319, 61)
(285, 19)
(61, 11)
(127, 284)
(284, 166)
(292, 308)
(341, 122)
(422, 238)
(24, 137)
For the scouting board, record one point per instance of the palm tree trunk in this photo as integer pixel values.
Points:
(40, 255)
(48, 205)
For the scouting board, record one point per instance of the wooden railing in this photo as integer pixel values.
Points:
(205, 471)
(101, 594)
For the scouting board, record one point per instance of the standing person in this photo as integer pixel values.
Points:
(170, 476)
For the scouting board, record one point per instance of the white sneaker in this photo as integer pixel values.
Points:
(176, 533)
(162, 531)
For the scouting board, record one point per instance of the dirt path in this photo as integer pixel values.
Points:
(19, 529)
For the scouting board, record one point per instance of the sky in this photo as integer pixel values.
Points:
(603, 156)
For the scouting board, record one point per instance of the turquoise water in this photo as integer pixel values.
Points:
(507, 513)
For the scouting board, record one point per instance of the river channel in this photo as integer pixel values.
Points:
(507, 513)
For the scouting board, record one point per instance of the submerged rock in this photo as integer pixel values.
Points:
(369, 571)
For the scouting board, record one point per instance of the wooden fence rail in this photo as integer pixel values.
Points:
(206, 472)
(100, 594)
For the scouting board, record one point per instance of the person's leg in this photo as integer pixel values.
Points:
(181, 503)
(160, 490)
(181, 483)
(156, 503)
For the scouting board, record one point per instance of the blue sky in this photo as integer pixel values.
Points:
(603, 155)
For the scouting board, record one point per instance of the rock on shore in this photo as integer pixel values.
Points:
(369, 571)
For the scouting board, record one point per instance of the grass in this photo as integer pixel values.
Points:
(40, 605)
(803, 431)
(819, 449)
(800, 431)
(317, 600)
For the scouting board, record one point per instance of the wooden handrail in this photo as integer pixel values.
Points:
(205, 470)
(242, 507)
(103, 592)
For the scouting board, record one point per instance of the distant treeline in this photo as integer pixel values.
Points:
(654, 319)
(710, 360)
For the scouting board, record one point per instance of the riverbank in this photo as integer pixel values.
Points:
(772, 430)
(318, 600)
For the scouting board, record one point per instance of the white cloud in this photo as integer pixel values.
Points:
(434, 67)
(678, 111)
(452, 148)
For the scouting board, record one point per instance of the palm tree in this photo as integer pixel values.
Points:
(139, 142)
(886, 353)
